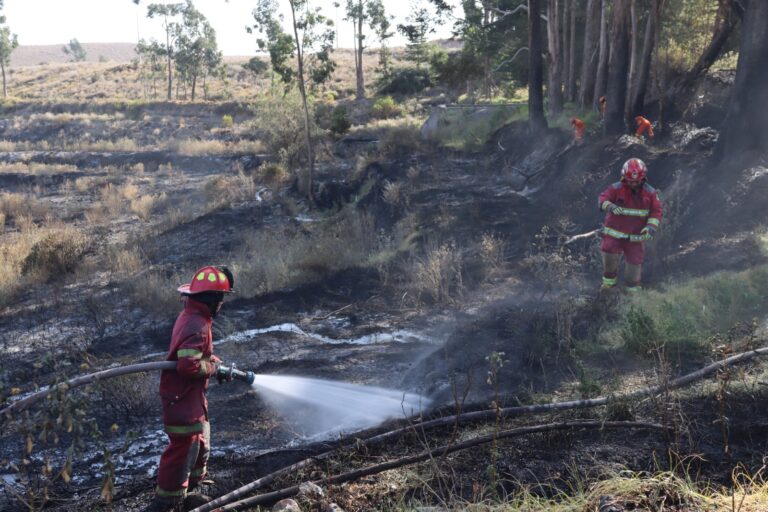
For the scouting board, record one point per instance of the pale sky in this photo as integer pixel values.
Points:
(121, 21)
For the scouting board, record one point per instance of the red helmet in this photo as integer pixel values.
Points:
(209, 279)
(634, 170)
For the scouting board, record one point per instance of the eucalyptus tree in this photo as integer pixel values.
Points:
(312, 44)
(150, 61)
(8, 43)
(362, 14)
(197, 54)
(168, 13)
(75, 50)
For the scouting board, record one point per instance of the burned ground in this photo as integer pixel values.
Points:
(530, 194)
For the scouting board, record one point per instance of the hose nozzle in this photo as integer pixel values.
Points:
(231, 372)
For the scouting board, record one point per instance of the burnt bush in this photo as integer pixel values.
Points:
(56, 255)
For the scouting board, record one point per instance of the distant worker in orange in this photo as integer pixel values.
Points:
(603, 104)
(643, 128)
(578, 129)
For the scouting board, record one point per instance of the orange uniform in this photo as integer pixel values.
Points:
(578, 128)
(643, 127)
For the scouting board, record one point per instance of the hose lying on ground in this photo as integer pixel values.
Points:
(485, 415)
(82, 380)
(435, 452)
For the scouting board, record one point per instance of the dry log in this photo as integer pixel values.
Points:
(484, 415)
(435, 452)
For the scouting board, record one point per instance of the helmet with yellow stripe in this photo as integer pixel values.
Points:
(210, 279)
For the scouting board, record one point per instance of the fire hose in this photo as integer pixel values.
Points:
(223, 373)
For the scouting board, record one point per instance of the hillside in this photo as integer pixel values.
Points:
(35, 55)
(418, 312)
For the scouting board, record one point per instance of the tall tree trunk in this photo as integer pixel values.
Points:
(5, 90)
(168, 52)
(571, 87)
(360, 93)
(589, 53)
(602, 60)
(640, 85)
(565, 47)
(537, 122)
(194, 84)
(746, 125)
(725, 22)
(555, 89)
(632, 48)
(303, 92)
(618, 64)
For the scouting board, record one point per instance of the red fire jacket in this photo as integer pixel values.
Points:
(182, 390)
(640, 208)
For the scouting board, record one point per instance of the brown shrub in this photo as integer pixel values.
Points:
(224, 191)
(57, 254)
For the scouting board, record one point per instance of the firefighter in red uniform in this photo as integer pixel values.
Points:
(643, 128)
(578, 129)
(633, 215)
(183, 464)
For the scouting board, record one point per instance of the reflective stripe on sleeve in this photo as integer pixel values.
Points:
(633, 212)
(189, 352)
(654, 222)
(184, 429)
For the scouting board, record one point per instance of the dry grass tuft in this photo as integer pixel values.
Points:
(56, 255)
(438, 273)
(224, 191)
(145, 206)
(21, 208)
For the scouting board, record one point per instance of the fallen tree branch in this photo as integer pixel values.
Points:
(489, 414)
(435, 452)
(82, 380)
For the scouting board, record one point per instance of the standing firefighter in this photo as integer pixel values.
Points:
(633, 216)
(578, 129)
(183, 464)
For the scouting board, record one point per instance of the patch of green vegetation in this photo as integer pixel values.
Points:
(684, 316)
(470, 128)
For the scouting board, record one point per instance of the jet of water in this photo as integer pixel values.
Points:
(321, 407)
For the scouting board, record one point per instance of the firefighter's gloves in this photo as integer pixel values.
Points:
(648, 232)
(612, 208)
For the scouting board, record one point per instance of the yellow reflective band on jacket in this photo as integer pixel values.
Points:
(633, 212)
(170, 494)
(189, 352)
(615, 233)
(654, 222)
(194, 428)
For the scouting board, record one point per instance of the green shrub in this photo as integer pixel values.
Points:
(340, 120)
(281, 126)
(684, 316)
(227, 121)
(406, 81)
(385, 108)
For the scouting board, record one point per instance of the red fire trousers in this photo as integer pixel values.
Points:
(183, 463)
